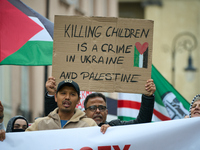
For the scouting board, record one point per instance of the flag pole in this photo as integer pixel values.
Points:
(46, 67)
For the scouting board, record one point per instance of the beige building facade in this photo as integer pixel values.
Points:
(176, 37)
(22, 87)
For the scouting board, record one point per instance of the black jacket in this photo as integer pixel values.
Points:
(144, 116)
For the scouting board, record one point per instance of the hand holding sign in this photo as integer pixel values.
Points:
(51, 85)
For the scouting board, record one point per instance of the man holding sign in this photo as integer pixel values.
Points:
(104, 54)
(98, 100)
(66, 115)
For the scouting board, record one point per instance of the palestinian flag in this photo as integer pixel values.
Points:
(26, 37)
(141, 55)
(169, 104)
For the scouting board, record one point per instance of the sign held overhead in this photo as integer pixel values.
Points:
(103, 54)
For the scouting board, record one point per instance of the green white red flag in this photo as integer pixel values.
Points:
(169, 104)
(25, 36)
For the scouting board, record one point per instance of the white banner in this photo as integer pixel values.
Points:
(182, 134)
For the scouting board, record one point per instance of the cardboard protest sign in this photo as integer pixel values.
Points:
(103, 54)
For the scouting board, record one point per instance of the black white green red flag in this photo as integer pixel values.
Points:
(166, 95)
(169, 104)
(26, 37)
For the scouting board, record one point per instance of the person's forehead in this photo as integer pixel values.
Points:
(96, 100)
(20, 121)
(197, 102)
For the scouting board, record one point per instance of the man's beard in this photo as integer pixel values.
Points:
(65, 110)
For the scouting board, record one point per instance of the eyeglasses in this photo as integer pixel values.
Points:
(93, 108)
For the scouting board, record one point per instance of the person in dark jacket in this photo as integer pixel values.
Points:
(98, 100)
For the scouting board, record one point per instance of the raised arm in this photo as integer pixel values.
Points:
(2, 135)
(2, 127)
(1, 117)
(1, 112)
(146, 109)
(50, 103)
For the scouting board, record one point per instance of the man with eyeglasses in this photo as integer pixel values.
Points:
(95, 108)
(95, 105)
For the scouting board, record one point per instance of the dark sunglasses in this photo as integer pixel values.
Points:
(93, 108)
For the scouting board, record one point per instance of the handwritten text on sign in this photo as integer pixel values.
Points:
(103, 54)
